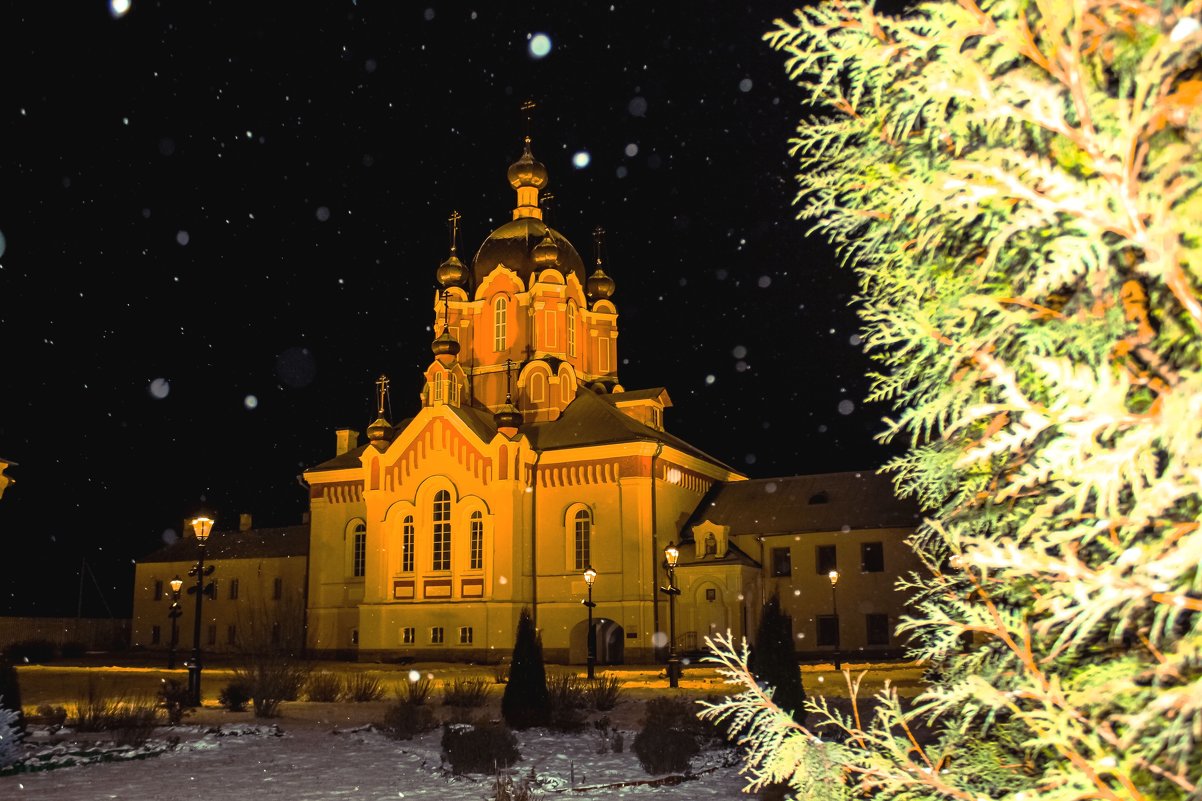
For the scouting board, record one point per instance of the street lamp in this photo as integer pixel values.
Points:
(671, 556)
(590, 576)
(834, 577)
(202, 526)
(174, 613)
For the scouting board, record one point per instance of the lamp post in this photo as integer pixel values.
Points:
(174, 613)
(202, 526)
(671, 555)
(834, 577)
(590, 576)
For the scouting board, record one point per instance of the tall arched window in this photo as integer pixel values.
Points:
(584, 532)
(500, 324)
(442, 531)
(359, 551)
(571, 328)
(407, 545)
(477, 541)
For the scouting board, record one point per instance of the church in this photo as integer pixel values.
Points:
(529, 464)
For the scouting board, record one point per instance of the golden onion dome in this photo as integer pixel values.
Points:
(445, 344)
(451, 272)
(508, 416)
(380, 434)
(526, 171)
(513, 245)
(600, 286)
(545, 253)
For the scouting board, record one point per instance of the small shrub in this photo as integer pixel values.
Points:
(175, 699)
(603, 692)
(505, 788)
(466, 693)
(50, 715)
(73, 649)
(569, 697)
(10, 738)
(669, 737)
(404, 721)
(94, 708)
(30, 652)
(272, 679)
(363, 688)
(480, 747)
(235, 696)
(10, 693)
(134, 721)
(500, 673)
(416, 691)
(323, 686)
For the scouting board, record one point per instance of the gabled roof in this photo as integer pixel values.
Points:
(635, 395)
(591, 419)
(256, 543)
(792, 504)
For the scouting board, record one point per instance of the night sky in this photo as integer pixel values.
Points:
(221, 223)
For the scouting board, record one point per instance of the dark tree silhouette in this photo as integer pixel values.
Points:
(773, 659)
(526, 701)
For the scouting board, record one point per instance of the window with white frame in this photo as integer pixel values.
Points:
(359, 551)
(408, 635)
(571, 328)
(500, 324)
(442, 531)
(476, 560)
(465, 635)
(436, 635)
(583, 524)
(407, 545)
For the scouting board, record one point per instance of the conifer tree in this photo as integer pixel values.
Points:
(10, 693)
(1017, 185)
(526, 701)
(773, 659)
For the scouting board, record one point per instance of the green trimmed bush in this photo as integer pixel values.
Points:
(479, 747)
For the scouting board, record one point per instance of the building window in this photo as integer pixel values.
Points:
(603, 354)
(878, 629)
(571, 328)
(233, 589)
(782, 562)
(407, 545)
(828, 630)
(213, 634)
(584, 535)
(275, 633)
(156, 634)
(872, 557)
(359, 551)
(277, 589)
(500, 324)
(477, 542)
(408, 635)
(438, 379)
(442, 531)
(657, 417)
(436, 635)
(158, 589)
(825, 560)
(711, 594)
(354, 636)
(538, 388)
(465, 635)
(231, 634)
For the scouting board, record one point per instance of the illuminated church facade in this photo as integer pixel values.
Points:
(528, 462)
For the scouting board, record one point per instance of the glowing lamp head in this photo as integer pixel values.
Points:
(176, 583)
(671, 554)
(834, 577)
(590, 575)
(202, 526)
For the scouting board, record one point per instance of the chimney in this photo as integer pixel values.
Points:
(244, 522)
(348, 440)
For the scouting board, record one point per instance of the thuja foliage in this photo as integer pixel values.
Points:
(773, 659)
(1016, 184)
(526, 702)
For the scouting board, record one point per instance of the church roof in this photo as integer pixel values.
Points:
(592, 419)
(651, 393)
(255, 543)
(793, 504)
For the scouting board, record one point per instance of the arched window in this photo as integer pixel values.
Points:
(442, 531)
(359, 551)
(438, 382)
(476, 560)
(500, 324)
(407, 545)
(571, 328)
(584, 530)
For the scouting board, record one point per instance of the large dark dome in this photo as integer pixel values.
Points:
(513, 245)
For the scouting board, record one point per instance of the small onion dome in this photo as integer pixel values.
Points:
(451, 272)
(379, 434)
(600, 285)
(508, 415)
(526, 171)
(445, 345)
(545, 254)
